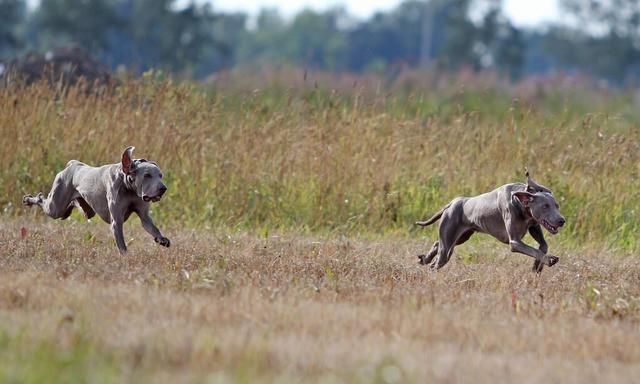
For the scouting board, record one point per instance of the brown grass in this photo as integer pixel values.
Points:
(232, 307)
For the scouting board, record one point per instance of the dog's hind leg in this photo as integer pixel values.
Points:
(446, 243)
(465, 236)
(30, 200)
(445, 251)
(426, 259)
(452, 233)
(83, 206)
(60, 202)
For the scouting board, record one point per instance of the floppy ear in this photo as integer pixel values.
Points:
(524, 197)
(127, 160)
(533, 186)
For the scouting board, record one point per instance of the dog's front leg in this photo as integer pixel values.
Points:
(116, 228)
(536, 232)
(520, 247)
(516, 233)
(150, 227)
(117, 222)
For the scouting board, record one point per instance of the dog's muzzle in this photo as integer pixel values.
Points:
(155, 198)
(553, 229)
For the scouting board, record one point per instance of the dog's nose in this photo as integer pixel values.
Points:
(163, 189)
(561, 222)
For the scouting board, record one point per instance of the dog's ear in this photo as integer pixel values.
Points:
(524, 197)
(127, 160)
(534, 187)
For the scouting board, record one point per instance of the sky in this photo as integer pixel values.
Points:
(523, 13)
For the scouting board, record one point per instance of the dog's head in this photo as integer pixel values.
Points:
(544, 209)
(143, 176)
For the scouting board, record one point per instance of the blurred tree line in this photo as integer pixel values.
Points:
(600, 38)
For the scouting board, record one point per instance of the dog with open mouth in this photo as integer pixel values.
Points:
(112, 191)
(506, 213)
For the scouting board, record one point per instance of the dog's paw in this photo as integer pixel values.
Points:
(421, 259)
(163, 241)
(552, 260)
(32, 200)
(26, 199)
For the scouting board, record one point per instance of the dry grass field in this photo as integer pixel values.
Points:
(232, 307)
(293, 256)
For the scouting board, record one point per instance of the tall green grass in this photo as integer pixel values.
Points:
(350, 161)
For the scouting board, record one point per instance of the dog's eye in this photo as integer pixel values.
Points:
(160, 175)
(547, 206)
(146, 175)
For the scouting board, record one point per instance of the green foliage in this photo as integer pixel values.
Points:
(87, 23)
(140, 33)
(194, 39)
(12, 16)
(604, 43)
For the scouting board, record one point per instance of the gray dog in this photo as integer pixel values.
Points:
(113, 191)
(506, 213)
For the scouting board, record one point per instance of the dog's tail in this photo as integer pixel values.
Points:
(433, 218)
